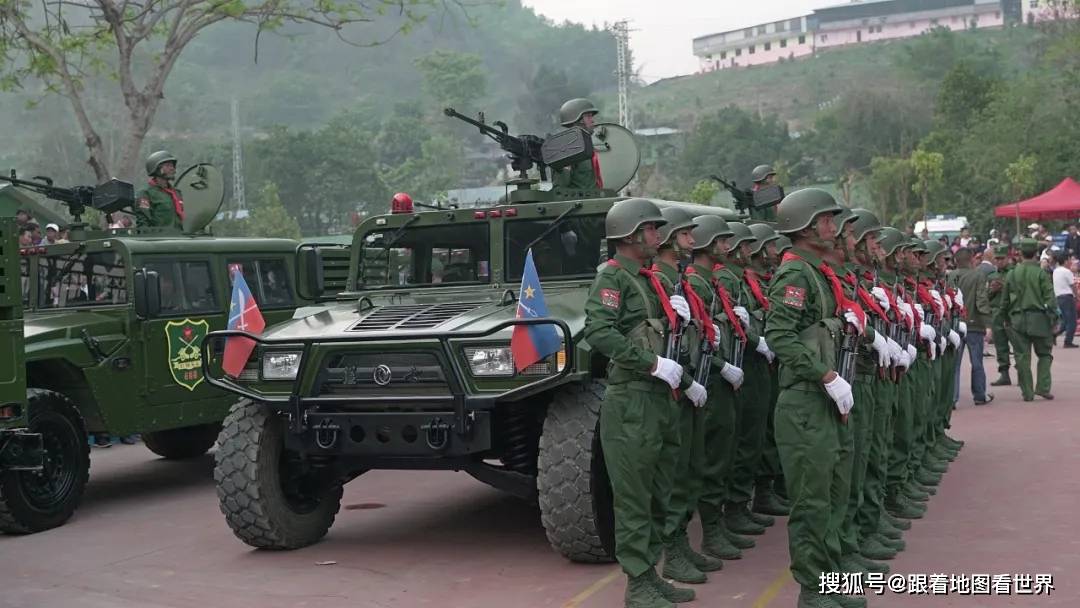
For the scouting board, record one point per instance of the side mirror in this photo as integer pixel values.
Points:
(147, 293)
(310, 280)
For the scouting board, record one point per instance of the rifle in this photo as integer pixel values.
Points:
(674, 341)
(107, 197)
(738, 347)
(707, 350)
(562, 149)
(744, 199)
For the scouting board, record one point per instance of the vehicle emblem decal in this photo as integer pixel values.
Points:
(185, 356)
(382, 375)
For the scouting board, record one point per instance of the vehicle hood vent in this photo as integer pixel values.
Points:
(413, 316)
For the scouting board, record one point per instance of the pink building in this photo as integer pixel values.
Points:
(852, 23)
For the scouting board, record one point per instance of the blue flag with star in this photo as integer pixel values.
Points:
(531, 343)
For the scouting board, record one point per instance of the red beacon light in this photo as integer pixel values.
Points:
(401, 203)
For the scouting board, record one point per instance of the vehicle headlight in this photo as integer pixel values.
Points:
(490, 360)
(280, 365)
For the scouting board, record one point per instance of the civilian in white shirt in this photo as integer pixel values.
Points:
(1065, 290)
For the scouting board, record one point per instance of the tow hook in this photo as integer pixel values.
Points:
(437, 434)
(326, 434)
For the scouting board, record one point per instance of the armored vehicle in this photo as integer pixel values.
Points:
(412, 369)
(104, 334)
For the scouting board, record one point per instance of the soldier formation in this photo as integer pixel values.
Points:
(833, 342)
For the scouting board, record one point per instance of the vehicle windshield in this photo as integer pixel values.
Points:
(456, 254)
(82, 279)
(573, 249)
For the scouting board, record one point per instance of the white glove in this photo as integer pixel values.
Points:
(763, 348)
(668, 371)
(920, 311)
(697, 394)
(716, 336)
(905, 309)
(681, 307)
(840, 392)
(933, 350)
(854, 320)
(744, 317)
(937, 298)
(963, 328)
(959, 297)
(912, 354)
(926, 332)
(896, 353)
(905, 359)
(882, 297)
(941, 345)
(954, 339)
(732, 374)
(948, 302)
(882, 347)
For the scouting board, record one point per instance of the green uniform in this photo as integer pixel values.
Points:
(155, 207)
(579, 176)
(637, 420)
(1031, 310)
(814, 448)
(1000, 336)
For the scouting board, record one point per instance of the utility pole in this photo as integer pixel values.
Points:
(623, 69)
(239, 199)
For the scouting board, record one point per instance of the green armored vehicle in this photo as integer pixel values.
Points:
(412, 369)
(110, 343)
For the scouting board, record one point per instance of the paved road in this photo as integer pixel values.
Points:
(149, 534)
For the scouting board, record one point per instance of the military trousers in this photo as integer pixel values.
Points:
(753, 420)
(720, 425)
(1001, 346)
(861, 426)
(689, 469)
(640, 438)
(902, 441)
(1022, 345)
(868, 517)
(770, 475)
(815, 452)
(923, 396)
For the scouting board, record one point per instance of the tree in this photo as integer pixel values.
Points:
(928, 175)
(703, 192)
(65, 44)
(270, 219)
(890, 182)
(453, 79)
(964, 93)
(732, 142)
(545, 92)
(1022, 181)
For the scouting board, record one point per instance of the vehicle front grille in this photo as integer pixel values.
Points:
(387, 374)
(412, 316)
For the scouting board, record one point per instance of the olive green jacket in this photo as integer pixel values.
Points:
(798, 295)
(972, 282)
(154, 208)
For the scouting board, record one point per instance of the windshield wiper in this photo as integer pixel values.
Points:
(554, 225)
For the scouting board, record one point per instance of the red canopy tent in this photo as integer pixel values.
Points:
(1062, 202)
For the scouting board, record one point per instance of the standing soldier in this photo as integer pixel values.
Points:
(625, 311)
(999, 336)
(159, 205)
(763, 176)
(1031, 313)
(804, 321)
(681, 562)
(584, 175)
(710, 243)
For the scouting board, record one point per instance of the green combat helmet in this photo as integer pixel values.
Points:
(740, 234)
(626, 217)
(763, 233)
(155, 160)
(800, 208)
(842, 218)
(761, 173)
(783, 243)
(677, 219)
(917, 245)
(891, 240)
(934, 249)
(572, 111)
(709, 228)
(864, 223)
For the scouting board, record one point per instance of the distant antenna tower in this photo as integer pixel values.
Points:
(237, 160)
(623, 69)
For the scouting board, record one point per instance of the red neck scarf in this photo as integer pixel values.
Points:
(725, 301)
(843, 303)
(178, 205)
(596, 170)
(754, 281)
(868, 300)
(661, 293)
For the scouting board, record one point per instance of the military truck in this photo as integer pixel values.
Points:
(412, 369)
(111, 325)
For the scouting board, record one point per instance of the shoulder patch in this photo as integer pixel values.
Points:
(144, 202)
(610, 297)
(794, 297)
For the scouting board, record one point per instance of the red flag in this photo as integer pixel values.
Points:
(244, 315)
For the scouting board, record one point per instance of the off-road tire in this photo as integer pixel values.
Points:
(187, 442)
(67, 462)
(247, 471)
(574, 491)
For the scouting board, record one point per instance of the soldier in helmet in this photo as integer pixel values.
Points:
(1030, 311)
(803, 325)
(763, 176)
(160, 205)
(584, 175)
(624, 313)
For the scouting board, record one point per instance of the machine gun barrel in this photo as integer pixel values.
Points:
(744, 199)
(108, 197)
(525, 150)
